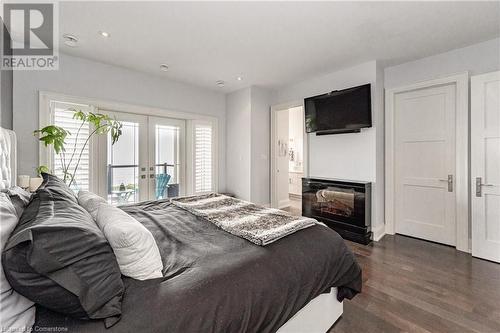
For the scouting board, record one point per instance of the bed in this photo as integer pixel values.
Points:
(216, 282)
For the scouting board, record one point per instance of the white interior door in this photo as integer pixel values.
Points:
(485, 165)
(167, 167)
(424, 163)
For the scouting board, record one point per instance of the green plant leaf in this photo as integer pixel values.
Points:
(79, 115)
(53, 135)
(42, 168)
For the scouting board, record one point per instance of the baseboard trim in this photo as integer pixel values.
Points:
(378, 232)
(283, 204)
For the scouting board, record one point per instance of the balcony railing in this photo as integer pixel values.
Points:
(111, 167)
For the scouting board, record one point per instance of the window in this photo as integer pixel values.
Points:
(176, 149)
(63, 117)
(203, 155)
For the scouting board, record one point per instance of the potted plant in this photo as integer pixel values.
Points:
(100, 124)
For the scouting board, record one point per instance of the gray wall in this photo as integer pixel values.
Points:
(238, 146)
(6, 90)
(247, 142)
(476, 59)
(260, 145)
(86, 78)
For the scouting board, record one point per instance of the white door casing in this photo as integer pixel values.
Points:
(281, 143)
(275, 109)
(485, 165)
(425, 163)
(430, 181)
(97, 183)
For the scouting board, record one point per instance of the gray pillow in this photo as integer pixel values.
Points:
(59, 258)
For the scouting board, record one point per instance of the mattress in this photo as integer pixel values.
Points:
(216, 282)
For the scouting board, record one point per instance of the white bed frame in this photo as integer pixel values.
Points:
(316, 317)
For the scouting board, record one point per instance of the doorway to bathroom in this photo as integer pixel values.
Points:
(288, 158)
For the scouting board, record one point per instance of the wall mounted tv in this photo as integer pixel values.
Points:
(340, 111)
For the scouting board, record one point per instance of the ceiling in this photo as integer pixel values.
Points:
(269, 43)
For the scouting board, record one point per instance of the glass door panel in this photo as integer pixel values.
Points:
(126, 180)
(166, 157)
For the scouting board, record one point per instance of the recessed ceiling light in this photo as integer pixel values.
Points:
(220, 83)
(104, 34)
(70, 40)
(239, 78)
(164, 67)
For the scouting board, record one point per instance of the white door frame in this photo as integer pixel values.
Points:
(482, 247)
(462, 154)
(272, 173)
(44, 97)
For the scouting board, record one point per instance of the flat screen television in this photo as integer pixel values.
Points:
(339, 111)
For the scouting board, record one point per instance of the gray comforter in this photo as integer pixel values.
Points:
(217, 282)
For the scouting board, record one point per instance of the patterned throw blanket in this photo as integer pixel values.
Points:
(255, 223)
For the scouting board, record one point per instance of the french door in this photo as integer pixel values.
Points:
(146, 163)
(167, 157)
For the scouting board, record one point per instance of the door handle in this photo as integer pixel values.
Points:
(449, 180)
(480, 185)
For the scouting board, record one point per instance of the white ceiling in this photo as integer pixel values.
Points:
(269, 43)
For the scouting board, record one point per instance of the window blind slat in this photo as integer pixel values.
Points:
(73, 145)
(203, 158)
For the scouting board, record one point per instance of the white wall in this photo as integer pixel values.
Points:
(260, 146)
(248, 131)
(379, 187)
(85, 78)
(238, 161)
(477, 59)
(351, 156)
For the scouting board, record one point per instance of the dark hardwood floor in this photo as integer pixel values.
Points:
(410, 285)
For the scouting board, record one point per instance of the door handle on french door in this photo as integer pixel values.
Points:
(480, 185)
(449, 180)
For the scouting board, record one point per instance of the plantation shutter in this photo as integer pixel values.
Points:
(63, 117)
(203, 157)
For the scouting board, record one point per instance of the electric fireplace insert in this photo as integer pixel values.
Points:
(344, 206)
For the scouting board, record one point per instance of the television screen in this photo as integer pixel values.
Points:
(339, 111)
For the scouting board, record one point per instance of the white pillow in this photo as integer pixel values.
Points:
(134, 246)
(16, 311)
(90, 202)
